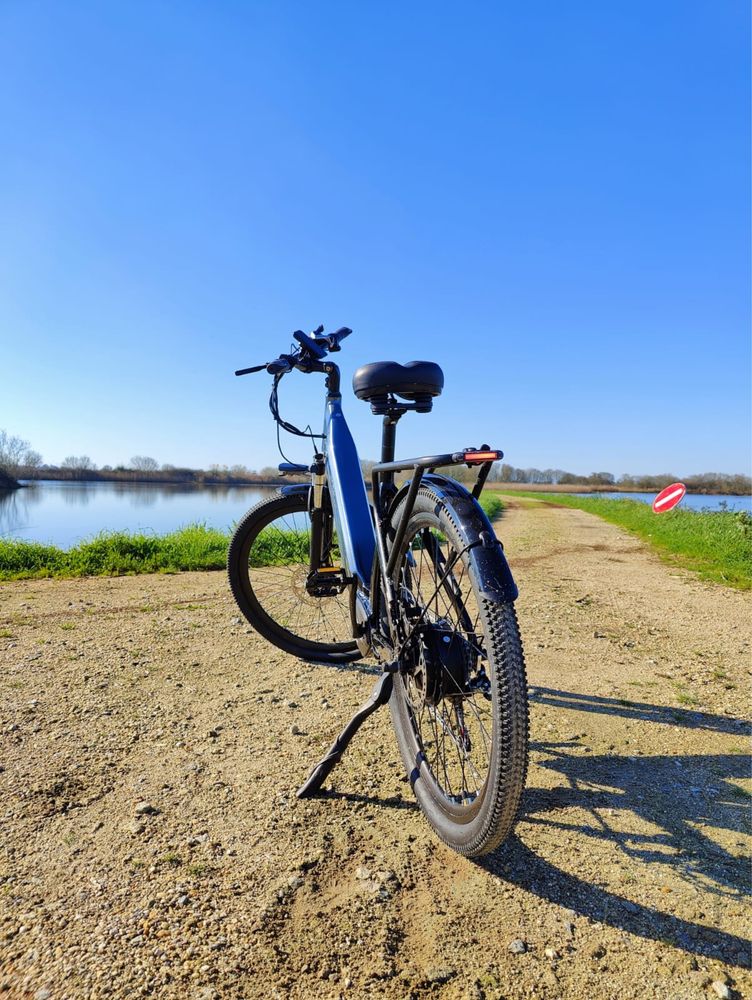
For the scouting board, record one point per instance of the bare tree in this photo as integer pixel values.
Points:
(144, 463)
(78, 463)
(17, 454)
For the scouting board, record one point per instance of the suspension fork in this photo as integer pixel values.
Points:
(317, 512)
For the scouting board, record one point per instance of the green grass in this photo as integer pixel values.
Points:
(492, 504)
(116, 554)
(194, 547)
(716, 544)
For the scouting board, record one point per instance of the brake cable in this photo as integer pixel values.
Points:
(285, 424)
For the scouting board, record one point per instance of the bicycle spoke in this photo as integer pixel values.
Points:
(278, 566)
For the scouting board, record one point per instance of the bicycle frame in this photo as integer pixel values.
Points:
(352, 515)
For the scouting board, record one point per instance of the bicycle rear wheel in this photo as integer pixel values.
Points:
(268, 564)
(459, 704)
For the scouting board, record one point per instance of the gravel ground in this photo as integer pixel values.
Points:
(151, 843)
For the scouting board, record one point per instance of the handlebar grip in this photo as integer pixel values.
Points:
(337, 337)
(250, 371)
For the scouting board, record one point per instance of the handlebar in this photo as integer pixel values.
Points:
(313, 348)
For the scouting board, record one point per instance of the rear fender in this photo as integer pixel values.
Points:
(487, 560)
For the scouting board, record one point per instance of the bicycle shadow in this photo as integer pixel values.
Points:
(639, 710)
(675, 797)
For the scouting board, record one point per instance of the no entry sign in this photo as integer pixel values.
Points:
(669, 497)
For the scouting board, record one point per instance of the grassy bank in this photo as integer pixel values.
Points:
(194, 547)
(716, 544)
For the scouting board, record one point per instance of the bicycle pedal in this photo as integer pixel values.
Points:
(328, 581)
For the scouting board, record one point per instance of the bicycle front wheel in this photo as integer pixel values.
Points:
(459, 703)
(268, 563)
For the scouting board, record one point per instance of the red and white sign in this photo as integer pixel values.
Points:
(668, 498)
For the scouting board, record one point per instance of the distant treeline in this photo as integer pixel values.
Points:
(82, 469)
(215, 476)
(706, 482)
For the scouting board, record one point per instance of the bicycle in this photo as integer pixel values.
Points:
(417, 578)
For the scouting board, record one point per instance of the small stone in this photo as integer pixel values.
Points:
(362, 872)
(597, 951)
(296, 730)
(630, 907)
(720, 989)
(136, 827)
(387, 876)
(517, 947)
(137, 941)
(213, 734)
(146, 809)
(43, 993)
(441, 974)
(295, 882)
(181, 900)
(551, 954)
(235, 621)
(292, 704)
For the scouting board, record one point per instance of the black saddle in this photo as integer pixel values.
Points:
(418, 381)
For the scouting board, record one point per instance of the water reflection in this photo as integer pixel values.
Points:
(81, 496)
(14, 510)
(65, 513)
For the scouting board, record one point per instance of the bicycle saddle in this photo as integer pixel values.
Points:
(417, 380)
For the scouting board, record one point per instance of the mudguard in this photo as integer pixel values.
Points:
(487, 560)
(295, 488)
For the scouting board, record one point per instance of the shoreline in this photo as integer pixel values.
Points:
(207, 479)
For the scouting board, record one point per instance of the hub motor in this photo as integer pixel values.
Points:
(442, 667)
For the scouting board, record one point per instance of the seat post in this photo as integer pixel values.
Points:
(388, 438)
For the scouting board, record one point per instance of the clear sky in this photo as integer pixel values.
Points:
(549, 199)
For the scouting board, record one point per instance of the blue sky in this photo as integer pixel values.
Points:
(551, 200)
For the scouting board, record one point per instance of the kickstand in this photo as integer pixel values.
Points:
(379, 696)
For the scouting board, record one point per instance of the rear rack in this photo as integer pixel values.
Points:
(483, 456)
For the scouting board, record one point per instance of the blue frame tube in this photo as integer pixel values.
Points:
(352, 513)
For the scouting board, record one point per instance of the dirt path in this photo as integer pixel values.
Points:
(625, 879)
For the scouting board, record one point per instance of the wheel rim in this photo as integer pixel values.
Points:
(451, 722)
(276, 564)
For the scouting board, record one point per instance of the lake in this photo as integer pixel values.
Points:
(691, 501)
(64, 513)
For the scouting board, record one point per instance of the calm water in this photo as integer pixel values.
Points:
(691, 501)
(64, 513)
